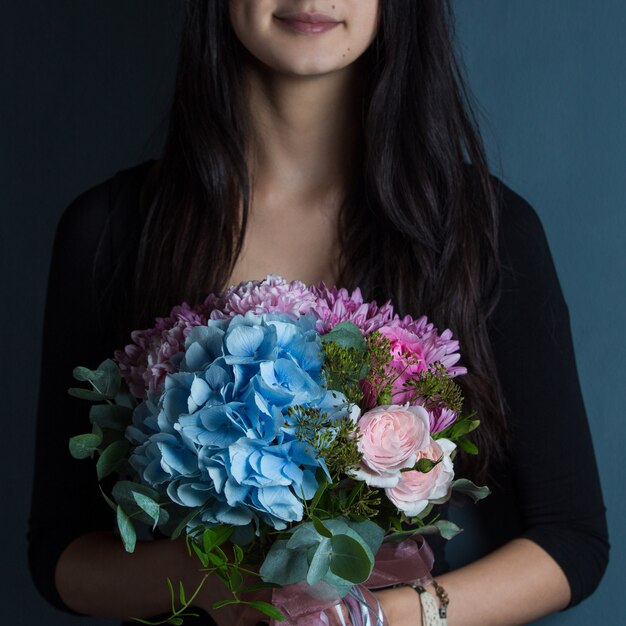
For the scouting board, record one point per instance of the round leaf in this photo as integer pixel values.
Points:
(83, 446)
(349, 559)
(110, 416)
(320, 562)
(111, 458)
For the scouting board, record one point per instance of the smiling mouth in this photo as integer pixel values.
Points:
(307, 22)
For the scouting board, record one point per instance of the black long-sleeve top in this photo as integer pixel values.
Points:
(548, 491)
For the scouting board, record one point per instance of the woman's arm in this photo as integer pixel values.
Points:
(96, 576)
(549, 472)
(515, 584)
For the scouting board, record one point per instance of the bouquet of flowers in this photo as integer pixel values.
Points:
(294, 432)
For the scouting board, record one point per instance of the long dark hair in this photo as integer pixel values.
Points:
(418, 226)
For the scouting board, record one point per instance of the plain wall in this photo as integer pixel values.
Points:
(86, 86)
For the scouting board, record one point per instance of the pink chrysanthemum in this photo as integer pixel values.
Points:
(156, 351)
(440, 419)
(415, 347)
(433, 346)
(338, 305)
(272, 295)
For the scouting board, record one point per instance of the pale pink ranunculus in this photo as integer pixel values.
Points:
(416, 489)
(391, 438)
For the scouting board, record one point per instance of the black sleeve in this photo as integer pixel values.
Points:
(66, 501)
(551, 461)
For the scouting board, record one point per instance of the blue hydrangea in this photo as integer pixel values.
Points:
(219, 436)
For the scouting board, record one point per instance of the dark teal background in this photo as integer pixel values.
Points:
(85, 87)
(550, 76)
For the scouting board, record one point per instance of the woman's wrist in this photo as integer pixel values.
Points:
(401, 606)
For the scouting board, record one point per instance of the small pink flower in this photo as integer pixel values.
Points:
(441, 418)
(391, 437)
(416, 489)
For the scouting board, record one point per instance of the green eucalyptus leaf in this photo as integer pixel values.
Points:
(109, 378)
(111, 459)
(370, 532)
(346, 335)
(320, 563)
(127, 530)
(304, 536)
(350, 559)
(444, 528)
(83, 374)
(111, 416)
(467, 487)
(149, 506)
(447, 529)
(341, 586)
(85, 394)
(283, 566)
(83, 446)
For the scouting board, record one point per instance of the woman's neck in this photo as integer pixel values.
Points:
(304, 134)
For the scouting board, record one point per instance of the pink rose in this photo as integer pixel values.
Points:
(391, 437)
(416, 489)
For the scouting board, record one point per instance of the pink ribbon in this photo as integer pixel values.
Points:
(410, 560)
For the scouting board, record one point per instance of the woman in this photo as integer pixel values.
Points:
(329, 140)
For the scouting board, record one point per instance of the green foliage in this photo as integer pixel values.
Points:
(468, 488)
(435, 387)
(343, 369)
(105, 381)
(425, 465)
(83, 446)
(346, 335)
(379, 379)
(139, 502)
(443, 528)
(361, 501)
(349, 559)
(127, 530)
(111, 416)
(335, 440)
(112, 458)
(343, 559)
(459, 431)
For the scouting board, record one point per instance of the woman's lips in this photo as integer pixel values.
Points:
(308, 22)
